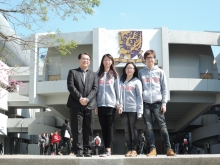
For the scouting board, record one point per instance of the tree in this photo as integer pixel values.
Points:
(32, 15)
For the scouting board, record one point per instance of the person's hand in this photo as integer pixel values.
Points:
(83, 101)
(119, 111)
(138, 117)
(118, 107)
(163, 109)
(96, 111)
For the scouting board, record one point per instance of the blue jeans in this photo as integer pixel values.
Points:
(155, 109)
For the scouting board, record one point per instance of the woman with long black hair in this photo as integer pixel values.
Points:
(131, 106)
(107, 100)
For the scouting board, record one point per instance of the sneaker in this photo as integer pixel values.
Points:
(72, 154)
(52, 153)
(106, 154)
(88, 155)
(128, 154)
(133, 153)
(59, 153)
(79, 155)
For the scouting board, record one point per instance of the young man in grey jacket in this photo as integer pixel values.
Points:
(155, 99)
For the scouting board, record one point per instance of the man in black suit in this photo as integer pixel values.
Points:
(82, 85)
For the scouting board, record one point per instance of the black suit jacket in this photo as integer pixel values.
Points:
(78, 88)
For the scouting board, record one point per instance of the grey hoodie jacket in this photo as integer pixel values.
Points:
(131, 96)
(108, 92)
(154, 85)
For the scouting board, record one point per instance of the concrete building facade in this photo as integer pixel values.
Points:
(185, 56)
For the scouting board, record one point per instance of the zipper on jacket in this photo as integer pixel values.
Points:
(150, 86)
(124, 96)
(104, 86)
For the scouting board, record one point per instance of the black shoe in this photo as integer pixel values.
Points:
(79, 155)
(88, 155)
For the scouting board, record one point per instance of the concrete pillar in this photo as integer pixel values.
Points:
(34, 69)
(165, 55)
(97, 46)
(33, 78)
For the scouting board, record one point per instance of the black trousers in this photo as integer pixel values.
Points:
(55, 148)
(106, 122)
(129, 122)
(66, 143)
(81, 122)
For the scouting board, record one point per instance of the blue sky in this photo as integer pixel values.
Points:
(190, 15)
(195, 15)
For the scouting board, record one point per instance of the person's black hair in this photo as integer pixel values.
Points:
(79, 56)
(66, 121)
(97, 134)
(124, 75)
(112, 71)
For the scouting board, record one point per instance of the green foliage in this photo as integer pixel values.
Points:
(64, 48)
(40, 9)
(33, 14)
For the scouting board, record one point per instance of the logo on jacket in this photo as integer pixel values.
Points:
(127, 88)
(130, 43)
(107, 82)
(147, 80)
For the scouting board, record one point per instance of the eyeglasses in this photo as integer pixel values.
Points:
(149, 58)
(129, 68)
(85, 59)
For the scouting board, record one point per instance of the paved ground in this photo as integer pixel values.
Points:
(202, 159)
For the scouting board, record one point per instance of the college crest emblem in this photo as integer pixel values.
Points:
(130, 43)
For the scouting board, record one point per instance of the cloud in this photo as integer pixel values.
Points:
(123, 15)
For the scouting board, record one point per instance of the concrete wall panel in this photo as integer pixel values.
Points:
(38, 129)
(48, 120)
(185, 60)
(209, 119)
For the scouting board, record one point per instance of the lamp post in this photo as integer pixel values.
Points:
(21, 122)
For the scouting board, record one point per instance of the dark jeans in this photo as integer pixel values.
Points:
(81, 121)
(46, 149)
(208, 150)
(155, 109)
(42, 147)
(55, 148)
(66, 145)
(51, 147)
(129, 121)
(96, 150)
(106, 122)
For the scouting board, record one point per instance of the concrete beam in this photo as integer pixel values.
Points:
(193, 37)
(191, 115)
(210, 131)
(190, 97)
